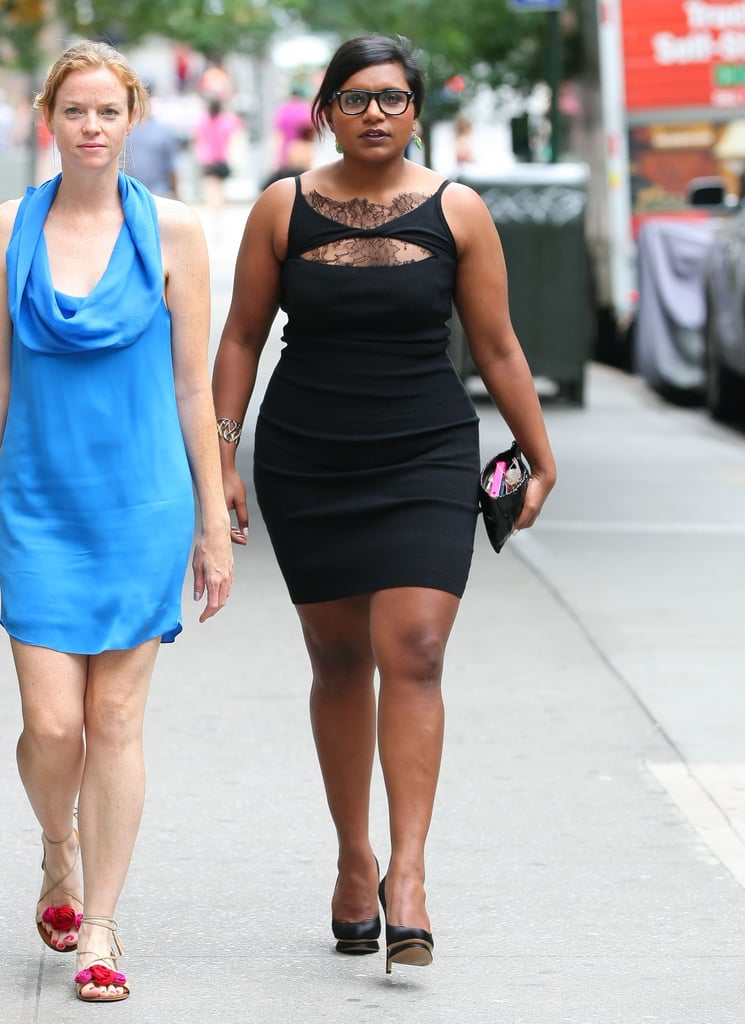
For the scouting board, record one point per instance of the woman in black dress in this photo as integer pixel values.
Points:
(366, 457)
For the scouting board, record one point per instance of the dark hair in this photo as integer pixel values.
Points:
(363, 52)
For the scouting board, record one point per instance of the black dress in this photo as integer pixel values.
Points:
(366, 458)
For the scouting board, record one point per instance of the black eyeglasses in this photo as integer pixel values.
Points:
(390, 101)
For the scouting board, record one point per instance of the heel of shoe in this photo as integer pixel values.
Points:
(357, 947)
(410, 946)
(356, 937)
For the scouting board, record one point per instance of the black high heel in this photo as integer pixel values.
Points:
(411, 946)
(356, 937)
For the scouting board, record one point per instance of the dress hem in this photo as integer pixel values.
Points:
(168, 636)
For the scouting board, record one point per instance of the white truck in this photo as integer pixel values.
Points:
(672, 98)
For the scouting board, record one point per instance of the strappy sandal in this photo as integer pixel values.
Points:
(98, 972)
(64, 918)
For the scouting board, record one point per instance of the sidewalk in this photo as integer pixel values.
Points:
(587, 856)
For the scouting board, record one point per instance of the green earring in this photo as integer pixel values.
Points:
(338, 148)
(417, 140)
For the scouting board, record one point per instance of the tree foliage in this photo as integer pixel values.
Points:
(20, 24)
(479, 40)
(213, 27)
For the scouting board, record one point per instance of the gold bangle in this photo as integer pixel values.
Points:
(229, 430)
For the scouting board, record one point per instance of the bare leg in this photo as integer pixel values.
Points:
(214, 198)
(410, 628)
(50, 764)
(113, 785)
(342, 706)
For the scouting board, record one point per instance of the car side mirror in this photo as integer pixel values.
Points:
(706, 192)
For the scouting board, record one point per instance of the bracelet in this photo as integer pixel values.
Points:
(229, 430)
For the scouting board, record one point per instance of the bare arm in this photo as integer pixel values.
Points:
(252, 311)
(188, 298)
(7, 218)
(482, 304)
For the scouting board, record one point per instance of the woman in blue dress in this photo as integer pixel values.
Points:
(107, 428)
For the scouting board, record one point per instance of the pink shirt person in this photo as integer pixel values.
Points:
(212, 134)
(290, 119)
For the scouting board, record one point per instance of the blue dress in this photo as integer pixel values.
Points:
(96, 499)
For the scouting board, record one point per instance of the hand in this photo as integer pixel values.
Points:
(213, 570)
(535, 495)
(235, 500)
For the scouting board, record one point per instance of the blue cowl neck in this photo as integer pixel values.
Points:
(107, 317)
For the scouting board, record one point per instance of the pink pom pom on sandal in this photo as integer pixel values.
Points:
(98, 972)
(62, 918)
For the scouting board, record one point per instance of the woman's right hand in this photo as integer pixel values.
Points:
(235, 499)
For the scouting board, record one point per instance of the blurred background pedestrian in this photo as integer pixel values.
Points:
(213, 134)
(300, 156)
(151, 153)
(7, 122)
(464, 151)
(291, 121)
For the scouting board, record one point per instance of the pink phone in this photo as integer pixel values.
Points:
(496, 481)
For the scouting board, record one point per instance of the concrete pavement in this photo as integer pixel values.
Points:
(587, 857)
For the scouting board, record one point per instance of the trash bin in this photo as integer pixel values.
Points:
(539, 211)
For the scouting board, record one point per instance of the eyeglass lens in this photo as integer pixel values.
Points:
(356, 101)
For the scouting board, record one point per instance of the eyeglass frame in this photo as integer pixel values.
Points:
(372, 95)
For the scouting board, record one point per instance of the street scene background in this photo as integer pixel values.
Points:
(587, 858)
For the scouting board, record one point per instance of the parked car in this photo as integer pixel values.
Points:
(690, 324)
(724, 282)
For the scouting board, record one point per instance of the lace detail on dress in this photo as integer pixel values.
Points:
(361, 213)
(367, 252)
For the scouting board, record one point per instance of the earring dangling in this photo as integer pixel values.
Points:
(417, 140)
(338, 148)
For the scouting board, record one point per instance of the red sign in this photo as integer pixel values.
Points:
(682, 53)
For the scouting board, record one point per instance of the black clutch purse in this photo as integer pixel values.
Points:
(502, 493)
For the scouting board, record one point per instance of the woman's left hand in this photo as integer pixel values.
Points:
(535, 494)
(213, 571)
